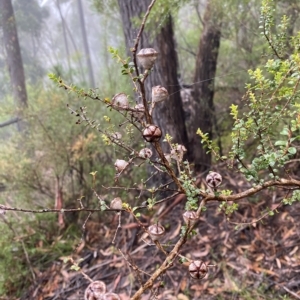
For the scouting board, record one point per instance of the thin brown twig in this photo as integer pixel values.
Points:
(134, 266)
(289, 291)
(119, 226)
(280, 183)
(159, 201)
(79, 269)
(28, 262)
(52, 210)
(168, 262)
(256, 220)
(82, 234)
(270, 42)
(9, 225)
(134, 49)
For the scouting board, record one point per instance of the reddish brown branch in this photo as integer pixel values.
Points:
(134, 49)
(208, 197)
(254, 190)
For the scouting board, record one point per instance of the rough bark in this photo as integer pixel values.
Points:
(168, 115)
(206, 65)
(13, 56)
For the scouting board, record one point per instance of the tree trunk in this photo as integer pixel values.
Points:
(64, 37)
(168, 115)
(13, 56)
(86, 45)
(206, 64)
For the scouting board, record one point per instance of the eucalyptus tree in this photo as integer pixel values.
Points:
(13, 59)
(170, 115)
(31, 19)
(229, 26)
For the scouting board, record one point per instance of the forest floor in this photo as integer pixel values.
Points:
(258, 259)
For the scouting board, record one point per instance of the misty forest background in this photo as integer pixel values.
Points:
(46, 159)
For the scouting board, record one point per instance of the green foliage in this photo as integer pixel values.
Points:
(210, 145)
(272, 107)
(228, 208)
(295, 197)
(30, 243)
(192, 193)
(151, 202)
(161, 12)
(276, 34)
(234, 111)
(57, 153)
(53, 151)
(106, 6)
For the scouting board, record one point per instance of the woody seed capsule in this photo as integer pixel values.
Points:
(111, 296)
(190, 217)
(159, 93)
(168, 157)
(152, 133)
(145, 153)
(178, 152)
(147, 57)
(95, 290)
(213, 179)
(156, 232)
(116, 203)
(120, 165)
(116, 135)
(198, 269)
(120, 101)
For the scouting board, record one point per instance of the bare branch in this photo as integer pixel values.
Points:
(9, 122)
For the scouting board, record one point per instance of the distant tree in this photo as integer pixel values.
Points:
(13, 56)
(170, 115)
(86, 44)
(31, 19)
(206, 66)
